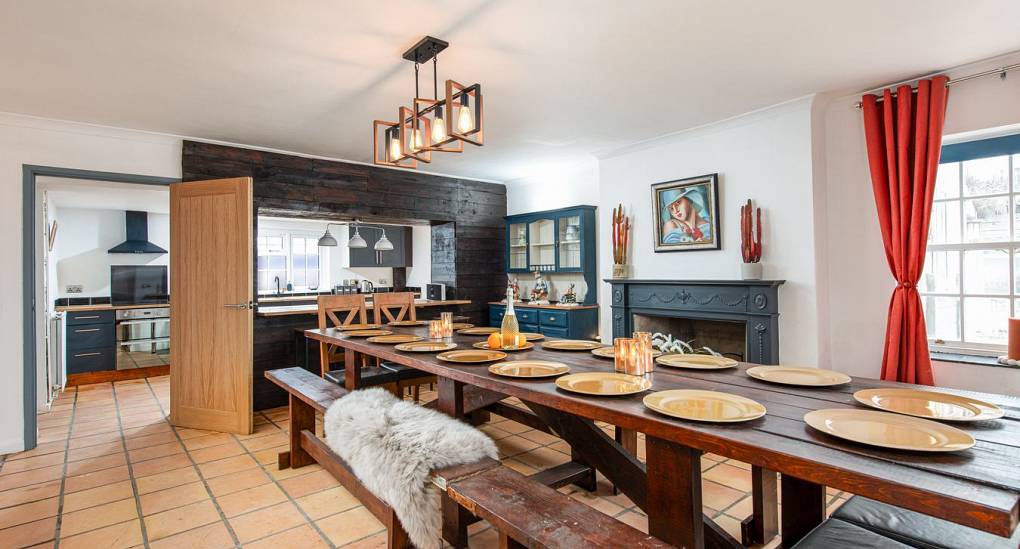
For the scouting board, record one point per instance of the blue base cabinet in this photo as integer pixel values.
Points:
(573, 323)
(91, 341)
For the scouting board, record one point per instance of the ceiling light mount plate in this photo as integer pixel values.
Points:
(425, 49)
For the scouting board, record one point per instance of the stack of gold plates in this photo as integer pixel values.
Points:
(462, 325)
(929, 404)
(360, 326)
(529, 368)
(571, 345)
(366, 333)
(791, 375)
(477, 331)
(407, 323)
(696, 362)
(532, 336)
(603, 383)
(426, 346)
(485, 345)
(395, 338)
(697, 405)
(470, 356)
(609, 352)
(888, 430)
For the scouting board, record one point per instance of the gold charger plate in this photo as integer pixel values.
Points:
(485, 345)
(367, 333)
(395, 338)
(532, 336)
(470, 356)
(888, 430)
(793, 375)
(571, 345)
(360, 327)
(426, 346)
(462, 325)
(482, 331)
(603, 383)
(698, 405)
(407, 323)
(696, 362)
(529, 368)
(609, 352)
(929, 404)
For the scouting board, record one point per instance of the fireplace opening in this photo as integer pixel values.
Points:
(726, 337)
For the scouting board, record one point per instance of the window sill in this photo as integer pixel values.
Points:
(977, 360)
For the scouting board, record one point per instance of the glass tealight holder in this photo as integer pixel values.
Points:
(645, 363)
(625, 355)
(436, 329)
(447, 323)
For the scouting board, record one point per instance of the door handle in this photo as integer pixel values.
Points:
(240, 306)
(87, 330)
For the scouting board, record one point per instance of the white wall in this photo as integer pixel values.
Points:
(765, 156)
(859, 281)
(555, 187)
(85, 235)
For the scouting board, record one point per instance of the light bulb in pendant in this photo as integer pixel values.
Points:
(394, 149)
(438, 128)
(465, 119)
(418, 140)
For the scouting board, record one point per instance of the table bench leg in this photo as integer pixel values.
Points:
(674, 497)
(763, 524)
(803, 508)
(302, 416)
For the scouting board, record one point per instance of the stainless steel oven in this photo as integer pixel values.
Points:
(143, 337)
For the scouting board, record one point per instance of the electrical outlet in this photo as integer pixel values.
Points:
(74, 288)
(382, 281)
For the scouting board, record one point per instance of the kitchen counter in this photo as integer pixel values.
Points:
(108, 307)
(311, 308)
(274, 298)
(555, 306)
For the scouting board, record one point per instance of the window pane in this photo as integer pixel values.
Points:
(986, 271)
(1016, 172)
(263, 262)
(986, 219)
(941, 273)
(945, 223)
(985, 319)
(299, 263)
(942, 317)
(297, 246)
(313, 279)
(313, 261)
(986, 176)
(274, 244)
(278, 262)
(947, 183)
(299, 279)
(263, 280)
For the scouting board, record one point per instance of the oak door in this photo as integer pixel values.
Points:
(210, 305)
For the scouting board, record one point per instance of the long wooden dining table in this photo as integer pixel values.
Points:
(978, 487)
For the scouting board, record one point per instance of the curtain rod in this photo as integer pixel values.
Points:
(1001, 71)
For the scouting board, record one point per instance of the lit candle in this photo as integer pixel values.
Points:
(624, 354)
(645, 364)
(435, 329)
(447, 321)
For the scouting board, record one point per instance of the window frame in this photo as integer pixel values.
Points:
(1008, 146)
(287, 236)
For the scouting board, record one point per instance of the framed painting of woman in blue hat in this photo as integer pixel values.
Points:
(686, 214)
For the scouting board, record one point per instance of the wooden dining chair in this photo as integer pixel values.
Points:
(343, 310)
(397, 307)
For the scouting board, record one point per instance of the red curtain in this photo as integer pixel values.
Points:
(904, 137)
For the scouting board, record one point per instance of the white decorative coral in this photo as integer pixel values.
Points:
(668, 344)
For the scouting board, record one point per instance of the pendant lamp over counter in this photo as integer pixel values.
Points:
(327, 240)
(429, 125)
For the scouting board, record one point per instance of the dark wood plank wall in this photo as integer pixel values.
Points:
(466, 216)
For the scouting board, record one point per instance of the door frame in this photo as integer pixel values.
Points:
(28, 225)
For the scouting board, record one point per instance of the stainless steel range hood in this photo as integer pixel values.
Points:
(137, 225)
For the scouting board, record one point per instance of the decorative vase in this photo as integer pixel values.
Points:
(750, 271)
(621, 270)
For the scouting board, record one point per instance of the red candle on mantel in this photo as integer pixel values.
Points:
(1013, 351)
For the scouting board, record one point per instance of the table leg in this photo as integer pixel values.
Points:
(763, 524)
(352, 370)
(803, 508)
(455, 517)
(674, 496)
(627, 438)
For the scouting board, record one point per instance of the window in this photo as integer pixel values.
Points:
(971, 279)
(293, 257)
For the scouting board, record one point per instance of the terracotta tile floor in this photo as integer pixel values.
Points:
(110, 471)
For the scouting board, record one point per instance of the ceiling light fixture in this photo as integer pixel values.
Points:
(430, 125)
(356, 241)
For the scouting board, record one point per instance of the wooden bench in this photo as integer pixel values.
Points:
(526, 511)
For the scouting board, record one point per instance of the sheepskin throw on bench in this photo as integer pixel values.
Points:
(393, 445)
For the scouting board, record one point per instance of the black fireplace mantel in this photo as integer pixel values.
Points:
(755, 302)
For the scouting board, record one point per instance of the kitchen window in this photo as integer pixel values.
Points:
(970, 284)
(293, 257)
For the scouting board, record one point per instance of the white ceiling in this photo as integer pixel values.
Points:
(562, 79)
(65, 192)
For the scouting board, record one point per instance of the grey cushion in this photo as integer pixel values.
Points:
(837, 534)
(369, 376)
(917, 530)
(404, 372)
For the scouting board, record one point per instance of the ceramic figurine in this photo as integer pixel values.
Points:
(514, 286)
(540, 293)
(569, 296)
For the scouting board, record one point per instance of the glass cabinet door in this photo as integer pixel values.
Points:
(542, 245)
(569, 238)
(518, 246)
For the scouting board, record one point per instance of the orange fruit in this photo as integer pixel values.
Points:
(521, 340)
(495, 340)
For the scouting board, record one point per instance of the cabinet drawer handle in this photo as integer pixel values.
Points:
(86, 330)
(79, 355)
(552, 319)
(86, 317)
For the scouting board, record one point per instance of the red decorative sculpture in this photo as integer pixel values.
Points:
(750, 233)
